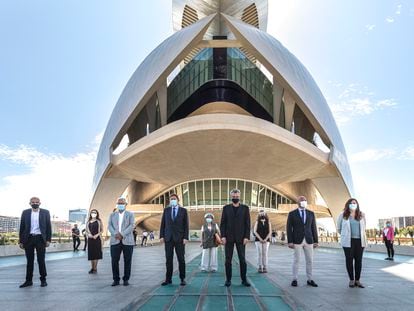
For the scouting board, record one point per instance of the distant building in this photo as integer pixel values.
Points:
(397, 222)
(62, 228)
(9, 224)
(78, 215)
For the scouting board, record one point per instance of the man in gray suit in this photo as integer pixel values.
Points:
(121, 227)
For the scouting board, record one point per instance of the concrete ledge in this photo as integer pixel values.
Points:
(376, 248)
(14, 250)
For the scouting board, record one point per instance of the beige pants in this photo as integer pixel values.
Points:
(308, 250)
(209, 259)
(262, 250)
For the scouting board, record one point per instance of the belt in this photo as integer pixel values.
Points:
(35, 234)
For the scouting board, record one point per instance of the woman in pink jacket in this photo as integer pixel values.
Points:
(388, 236)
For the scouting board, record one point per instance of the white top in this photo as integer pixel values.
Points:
(344, 229)
(145, 233)
(120, 220)
(34, 223)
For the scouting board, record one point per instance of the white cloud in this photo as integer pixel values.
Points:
(389, 19)
(356, 101)
(370, 27)
(408, 153)
(398, 11)
(375, 195)
(61, 182)
(372, 155)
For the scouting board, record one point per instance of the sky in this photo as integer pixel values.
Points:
(64, 64)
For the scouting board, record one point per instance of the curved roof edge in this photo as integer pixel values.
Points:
(294, 75)
(163, 59)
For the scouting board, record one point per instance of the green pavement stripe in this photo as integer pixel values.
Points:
(245, 303)
(275, 303)
(206, 291)
(216, 303)
(157, 303)
(185, 303)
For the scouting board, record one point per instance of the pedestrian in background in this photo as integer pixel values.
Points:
(388, 237)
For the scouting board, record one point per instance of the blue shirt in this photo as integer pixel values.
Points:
(355, 228)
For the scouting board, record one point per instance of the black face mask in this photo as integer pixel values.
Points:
(235, 201)
(35, 206)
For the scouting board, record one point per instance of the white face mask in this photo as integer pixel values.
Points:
(303, 204)
(209, 220)
(93, 215)
(353, 206)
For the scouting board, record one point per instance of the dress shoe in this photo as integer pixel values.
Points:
(294, 283)
(358, 284)
(183, 282)
(26, 284)
(115, 283)
(43, 283)
(352, 284)
(227, 284)
(312, 283)
(245, 283)
(126, 283)
(165, 283)
(264, 270)
(90, 271)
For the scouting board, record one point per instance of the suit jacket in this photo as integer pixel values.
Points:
(128, 224)
(235, 227)
(296, 230)
(174, 230)
(44, 224)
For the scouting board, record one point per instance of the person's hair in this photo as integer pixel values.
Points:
(234, 191)
(265, 216)
(347, 210)
(97, 214)
(174, 195)
(122, 199)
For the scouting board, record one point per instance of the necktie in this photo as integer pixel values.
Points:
(174, 213)
(302, 212)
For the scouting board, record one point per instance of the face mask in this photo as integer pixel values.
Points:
(388, 225)
(353, 206)
(209, 220)
(121, 207)
(35, 206)
(303, 204)
(235, 200)
(93, 215)
(173, 202)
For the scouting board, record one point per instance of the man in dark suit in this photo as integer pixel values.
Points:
(235, 230)
(302, 234)
(174, 233)
(35, 233)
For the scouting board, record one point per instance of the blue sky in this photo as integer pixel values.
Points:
(63, 65)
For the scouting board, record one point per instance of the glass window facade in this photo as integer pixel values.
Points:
(216, 193)
(238, 68)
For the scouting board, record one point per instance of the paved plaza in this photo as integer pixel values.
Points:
(389, 285)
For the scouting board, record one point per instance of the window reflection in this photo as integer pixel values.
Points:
(215, 192)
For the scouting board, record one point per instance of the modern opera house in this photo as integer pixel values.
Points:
(221, 104)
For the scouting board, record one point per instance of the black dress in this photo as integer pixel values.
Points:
(94, 246)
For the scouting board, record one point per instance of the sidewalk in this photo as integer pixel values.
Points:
(389, 285)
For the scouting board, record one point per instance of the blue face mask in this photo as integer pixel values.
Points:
(120, 207)
(173, 202)
(388, 225)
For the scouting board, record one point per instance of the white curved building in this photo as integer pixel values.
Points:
(221, 104)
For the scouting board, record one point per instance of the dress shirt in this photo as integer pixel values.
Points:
(120, 220)
(34, 223)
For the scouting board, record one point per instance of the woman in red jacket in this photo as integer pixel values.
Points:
(388, 236)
